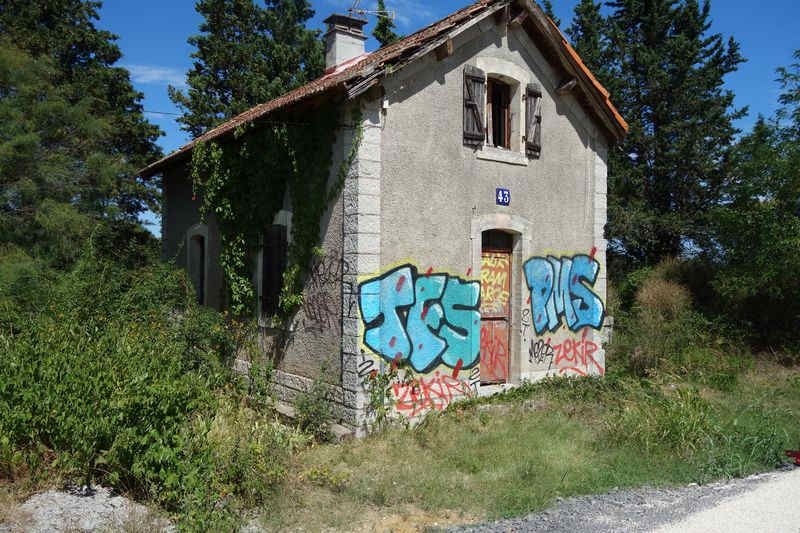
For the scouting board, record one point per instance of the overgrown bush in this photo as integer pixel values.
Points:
(657, 327)
(115, 375)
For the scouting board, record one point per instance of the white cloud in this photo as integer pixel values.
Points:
(412, 14)
(155, 75)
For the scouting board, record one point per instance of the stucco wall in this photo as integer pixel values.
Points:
(437, 195)
(180, 214)
(315, 331)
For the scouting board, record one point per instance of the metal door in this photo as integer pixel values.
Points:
(495, 313)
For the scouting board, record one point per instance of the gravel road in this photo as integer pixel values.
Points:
(763, 502)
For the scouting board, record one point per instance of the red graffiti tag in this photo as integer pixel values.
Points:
(494, 354)
(576, 356)
(422, 394)
(457, 369)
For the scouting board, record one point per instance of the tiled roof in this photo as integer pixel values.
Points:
(356, 68)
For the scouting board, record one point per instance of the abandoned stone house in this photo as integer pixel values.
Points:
(467, 243)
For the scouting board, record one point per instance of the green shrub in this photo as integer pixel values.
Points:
(314, 411)
(116, 375)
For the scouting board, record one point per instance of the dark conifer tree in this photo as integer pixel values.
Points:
(668, 84)
(81, 60)
(384, 29)
(587, 34)
(247, 54)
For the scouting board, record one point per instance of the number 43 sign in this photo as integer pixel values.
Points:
(502, 197)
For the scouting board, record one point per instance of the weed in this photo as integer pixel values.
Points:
(314, 412)
(325, 476)
(260, 379)
(649, 419)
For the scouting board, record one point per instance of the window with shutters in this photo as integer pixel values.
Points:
(502, 114)
(533, 121)
(273, 264)
(498, 110)
(474, 106)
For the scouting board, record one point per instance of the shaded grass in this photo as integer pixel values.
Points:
(585, 436)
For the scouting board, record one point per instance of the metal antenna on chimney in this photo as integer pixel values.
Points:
(354, 10)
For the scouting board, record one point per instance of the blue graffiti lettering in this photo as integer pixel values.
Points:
(558, 291)
(426, 319)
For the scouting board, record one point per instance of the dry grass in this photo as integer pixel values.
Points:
(10, 514)
(663, 298)
(141, 519)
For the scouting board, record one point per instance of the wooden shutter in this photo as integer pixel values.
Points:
(533, 121)
(474, 104)
(273, 263)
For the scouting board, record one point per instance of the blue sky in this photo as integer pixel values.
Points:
(152, 36)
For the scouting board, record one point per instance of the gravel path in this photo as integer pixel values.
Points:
(84, 509)
(646, 509)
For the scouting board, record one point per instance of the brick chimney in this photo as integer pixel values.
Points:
(344, 39)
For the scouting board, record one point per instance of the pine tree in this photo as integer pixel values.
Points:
(587, 34)
(246, 55)
(669, 86)
(81, 59)
(384, 29)
(59, 175)
(548, 10)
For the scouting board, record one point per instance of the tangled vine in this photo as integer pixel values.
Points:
(242, 182)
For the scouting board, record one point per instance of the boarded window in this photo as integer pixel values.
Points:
(273, 264)
(498, 97)
(474, 102)
(533, 121)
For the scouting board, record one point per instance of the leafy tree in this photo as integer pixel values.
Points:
(384, 29)
(548, 10)
(246, 55)
(757, 228)
(80, 59)
(669, 86)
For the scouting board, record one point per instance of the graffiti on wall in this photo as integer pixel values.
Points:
(424, 393)
(322, 308)
(570, 356)
(558, 290)
(424, 320)
(495, 282)
(494, 351)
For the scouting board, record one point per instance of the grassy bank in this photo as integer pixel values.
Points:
(508, 456)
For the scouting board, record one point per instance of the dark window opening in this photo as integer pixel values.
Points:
(273, 264)
(197, 266)
(498, 97)
(497, 240)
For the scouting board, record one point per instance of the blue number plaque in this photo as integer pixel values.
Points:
(502, 197)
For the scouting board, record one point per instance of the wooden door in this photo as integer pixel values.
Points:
(495, 308)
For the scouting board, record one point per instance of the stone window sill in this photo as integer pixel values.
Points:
(490, 153)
